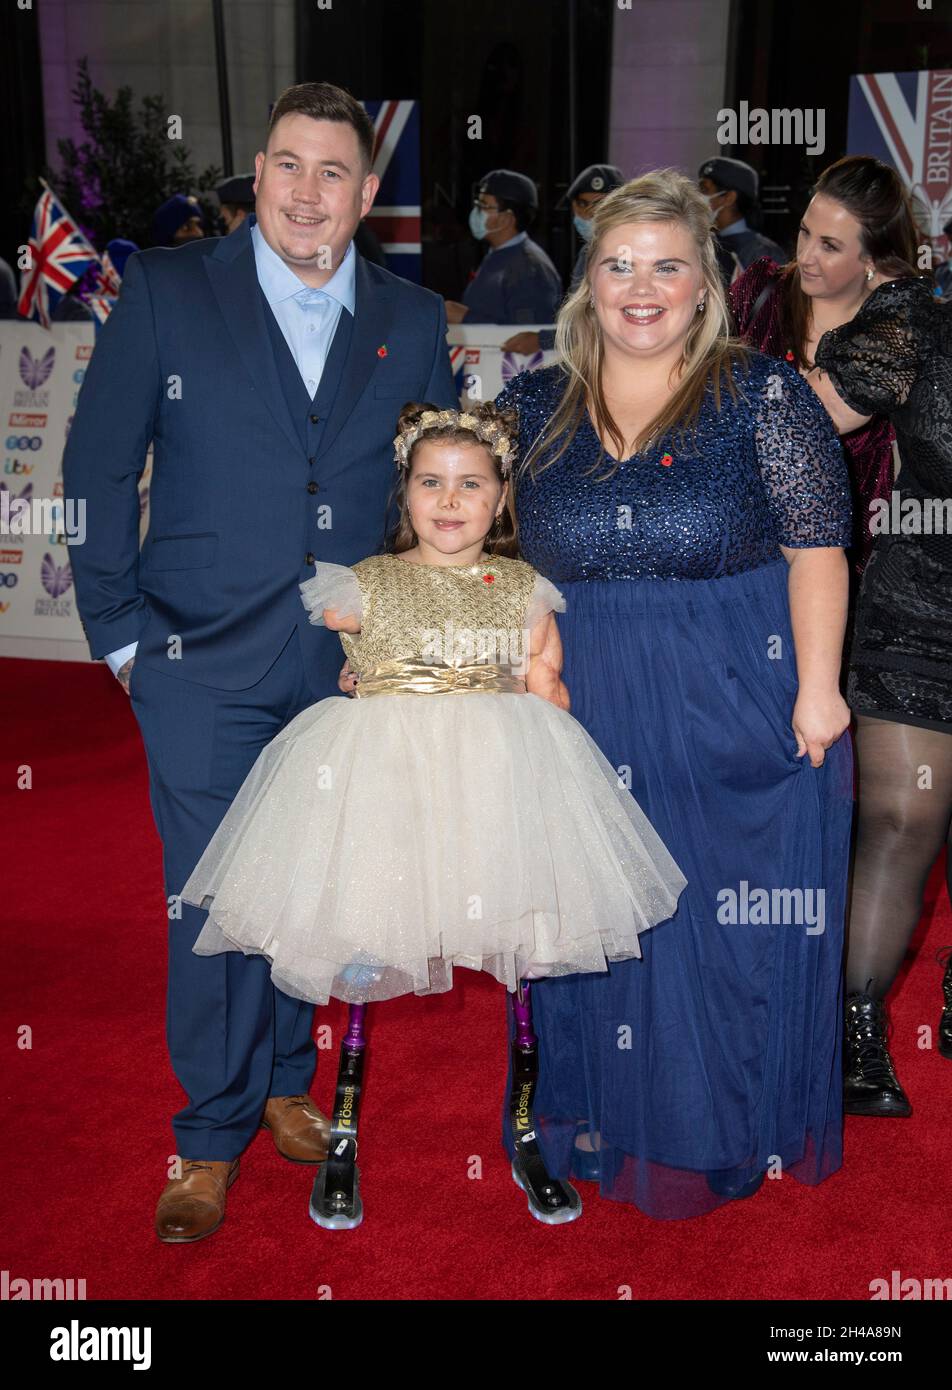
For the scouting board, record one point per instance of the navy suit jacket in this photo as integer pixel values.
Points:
(251, 481)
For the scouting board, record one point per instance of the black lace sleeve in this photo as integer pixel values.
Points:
(874, 359)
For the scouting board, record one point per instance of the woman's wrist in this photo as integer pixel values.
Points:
(819, 688)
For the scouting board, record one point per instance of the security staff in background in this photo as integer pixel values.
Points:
(730, 187)
(237, 198)
(584, 194)
(516, 282)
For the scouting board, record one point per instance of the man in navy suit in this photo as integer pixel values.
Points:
(268, 369)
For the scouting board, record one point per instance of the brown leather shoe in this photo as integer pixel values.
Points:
(300, 1132)
(193, 1205)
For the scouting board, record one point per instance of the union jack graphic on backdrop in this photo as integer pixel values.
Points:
(905, 119)
(60, 255)
(395, 215)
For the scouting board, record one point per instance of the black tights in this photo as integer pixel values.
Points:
(905, 809)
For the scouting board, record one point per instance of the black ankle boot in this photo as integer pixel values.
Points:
(945, 1021)
(871, 1086)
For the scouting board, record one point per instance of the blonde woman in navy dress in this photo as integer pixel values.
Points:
(690, 499)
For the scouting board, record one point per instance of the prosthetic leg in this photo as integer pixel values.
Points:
(335, 1198)
(550, 1202)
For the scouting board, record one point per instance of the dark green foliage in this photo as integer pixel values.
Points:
(112, 182)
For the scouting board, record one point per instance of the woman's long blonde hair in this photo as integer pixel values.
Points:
(664, 195)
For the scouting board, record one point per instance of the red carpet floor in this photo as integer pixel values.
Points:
(86, 1108)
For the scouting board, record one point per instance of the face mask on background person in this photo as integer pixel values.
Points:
(477, 221)
(709, 198)
(583, 225)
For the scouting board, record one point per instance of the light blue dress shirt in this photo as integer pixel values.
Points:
(308, 319)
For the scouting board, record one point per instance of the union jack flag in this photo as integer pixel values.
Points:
(905, 119)
(59, 255)
(104, 294)
(109, 278)
(395, 216)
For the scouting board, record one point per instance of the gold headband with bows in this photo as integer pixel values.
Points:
(491, 432)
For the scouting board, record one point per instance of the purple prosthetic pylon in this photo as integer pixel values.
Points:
(551, 1202)
(335, 1198)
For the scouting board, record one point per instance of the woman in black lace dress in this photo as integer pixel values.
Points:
(895, 358)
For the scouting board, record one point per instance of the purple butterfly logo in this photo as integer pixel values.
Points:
(25, 496)
(36, 370)
(509, 368)
(56, 578)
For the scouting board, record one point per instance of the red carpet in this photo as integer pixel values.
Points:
(87, 1107)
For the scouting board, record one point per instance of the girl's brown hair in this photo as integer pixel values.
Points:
(502, 538)
(875, 195)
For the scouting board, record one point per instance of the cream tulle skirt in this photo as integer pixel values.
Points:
(377, 843)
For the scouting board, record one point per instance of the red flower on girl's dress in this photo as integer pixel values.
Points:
(666, 460)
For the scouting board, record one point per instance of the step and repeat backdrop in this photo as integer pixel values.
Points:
(41, 373)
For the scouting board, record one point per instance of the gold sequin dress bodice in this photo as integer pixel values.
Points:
(448, 615)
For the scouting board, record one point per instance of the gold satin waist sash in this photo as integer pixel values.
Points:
(398, 677)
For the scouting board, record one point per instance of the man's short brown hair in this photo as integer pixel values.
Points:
(325, 102)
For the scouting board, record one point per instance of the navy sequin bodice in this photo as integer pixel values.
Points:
(765, 470)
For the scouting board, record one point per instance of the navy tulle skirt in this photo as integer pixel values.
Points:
(719, 1051)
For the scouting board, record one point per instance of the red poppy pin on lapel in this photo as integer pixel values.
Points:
(489, 579)
(666, 460)
(788, 355)
(382, 350)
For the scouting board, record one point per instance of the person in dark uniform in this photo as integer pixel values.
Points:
(730, 187)
(237, 198)
(516, 283)
(585, 193)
